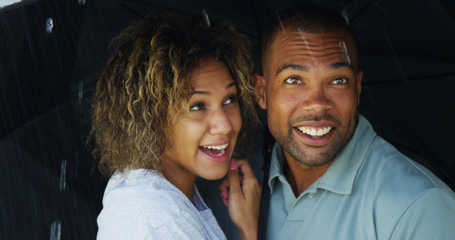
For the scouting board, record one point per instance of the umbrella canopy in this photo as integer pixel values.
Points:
(52, 52)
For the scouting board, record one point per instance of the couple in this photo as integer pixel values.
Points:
(175, 96)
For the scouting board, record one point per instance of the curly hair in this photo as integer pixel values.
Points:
(146, 87)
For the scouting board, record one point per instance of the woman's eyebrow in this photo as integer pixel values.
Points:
(202, 92)
(232, 84)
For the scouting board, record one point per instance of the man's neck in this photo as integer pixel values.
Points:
(300, 176)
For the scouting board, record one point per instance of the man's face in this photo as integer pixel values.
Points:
(310, 91)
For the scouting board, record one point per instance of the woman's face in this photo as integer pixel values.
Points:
(203, 140)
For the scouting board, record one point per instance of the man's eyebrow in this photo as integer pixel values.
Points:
(202, 92)
(297, 67)
(339, 65)
(291, 66)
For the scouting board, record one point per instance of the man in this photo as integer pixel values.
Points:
(331, 176)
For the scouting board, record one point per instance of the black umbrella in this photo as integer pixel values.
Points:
(52, 52)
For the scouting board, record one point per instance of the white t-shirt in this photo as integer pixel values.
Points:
(142, 204)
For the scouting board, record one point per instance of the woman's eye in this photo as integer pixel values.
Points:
(197, 107)
(293, 80)
(340, 81)
(231, 99)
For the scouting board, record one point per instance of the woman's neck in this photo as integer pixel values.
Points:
(183, 181)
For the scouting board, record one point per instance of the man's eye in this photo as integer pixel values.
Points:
(197, 107)
(293, 80)
(340, 81)
(231, 99)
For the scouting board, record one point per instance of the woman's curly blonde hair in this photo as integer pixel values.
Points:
(145, 86)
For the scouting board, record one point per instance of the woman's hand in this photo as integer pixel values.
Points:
(241, 193)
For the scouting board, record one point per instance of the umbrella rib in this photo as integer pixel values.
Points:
(361, 11)
(125, 5)
(449, 5)
(131, 9)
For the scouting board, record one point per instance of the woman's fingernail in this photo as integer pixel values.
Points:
(232, 165)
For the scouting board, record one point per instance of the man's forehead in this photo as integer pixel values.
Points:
(305, 39)
(288, 33)
(336, 46)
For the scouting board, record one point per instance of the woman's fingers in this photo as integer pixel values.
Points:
(244, 199)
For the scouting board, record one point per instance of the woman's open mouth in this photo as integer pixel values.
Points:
(216, 153)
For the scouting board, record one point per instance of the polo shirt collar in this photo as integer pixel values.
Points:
(340, 176)
(276, 166)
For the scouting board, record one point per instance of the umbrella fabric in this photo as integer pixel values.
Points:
(48, 184)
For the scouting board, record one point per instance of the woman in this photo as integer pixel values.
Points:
(168, 109)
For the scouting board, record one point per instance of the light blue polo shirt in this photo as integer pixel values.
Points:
(371, 191)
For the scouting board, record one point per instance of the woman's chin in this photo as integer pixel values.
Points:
(215, 175)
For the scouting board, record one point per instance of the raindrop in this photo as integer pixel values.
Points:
(49, 25)
(62, 184)
(56, 229)
(281, 23)
(302, 34)
(80, 93)
(76, 157)
(395, 56)
(344, 14)
(81, 2)
(344, 52)
(206, 18)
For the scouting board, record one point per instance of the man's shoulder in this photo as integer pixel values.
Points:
(392, 176)
(394, 188)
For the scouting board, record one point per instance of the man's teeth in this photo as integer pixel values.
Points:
(315, 132)
(219, 147)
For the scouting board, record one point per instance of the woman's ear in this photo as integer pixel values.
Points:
(260, 87)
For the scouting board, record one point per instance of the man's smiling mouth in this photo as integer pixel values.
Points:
(315, 132)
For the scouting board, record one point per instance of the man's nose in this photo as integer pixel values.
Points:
(316, 100)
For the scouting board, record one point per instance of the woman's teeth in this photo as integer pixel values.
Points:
(215, 150)
(219, 147)
(315, 132)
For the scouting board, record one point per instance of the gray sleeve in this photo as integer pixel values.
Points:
(180, 228)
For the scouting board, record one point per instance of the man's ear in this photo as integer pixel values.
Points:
(260, 86)
(359, 77)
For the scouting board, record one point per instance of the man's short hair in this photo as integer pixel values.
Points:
(309, 18)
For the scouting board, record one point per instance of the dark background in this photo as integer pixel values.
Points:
(49, 186)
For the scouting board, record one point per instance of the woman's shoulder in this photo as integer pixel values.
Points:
(142, 188)
(145, 195)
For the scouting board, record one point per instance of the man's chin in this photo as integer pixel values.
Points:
(314, 158)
